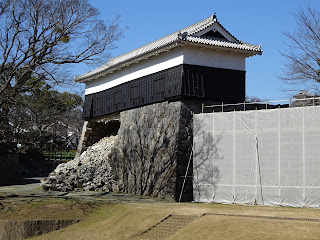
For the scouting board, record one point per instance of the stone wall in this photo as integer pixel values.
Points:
(152, 151)
(184, 155)
(96, 129)
(22, 229)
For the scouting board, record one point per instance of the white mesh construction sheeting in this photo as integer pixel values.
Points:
(266, 157)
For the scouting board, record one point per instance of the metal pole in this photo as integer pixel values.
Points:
(185, 176)
(313, 100)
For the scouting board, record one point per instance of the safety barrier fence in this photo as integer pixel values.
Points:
(267, 157)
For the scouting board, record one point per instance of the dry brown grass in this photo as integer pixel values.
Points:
(28, 208)
(221, 227)
(129, 220)
(111, 222)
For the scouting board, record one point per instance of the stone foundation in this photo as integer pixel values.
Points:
(152, 151)
(94, 130)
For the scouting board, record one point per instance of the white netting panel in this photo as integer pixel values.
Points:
(268, 157)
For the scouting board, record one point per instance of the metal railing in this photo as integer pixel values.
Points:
(60, 155)
(314, 101)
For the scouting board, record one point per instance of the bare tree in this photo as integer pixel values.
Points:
(302, 51)
(39, 38)
(251, 99)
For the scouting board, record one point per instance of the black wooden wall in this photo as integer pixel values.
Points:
(197, 82)
(216, 84)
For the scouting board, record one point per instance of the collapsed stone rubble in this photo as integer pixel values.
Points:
(91, 171)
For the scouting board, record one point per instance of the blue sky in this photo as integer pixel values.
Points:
(252, 21)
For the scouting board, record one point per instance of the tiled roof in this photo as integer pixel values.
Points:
(185, 35)
(223, 43)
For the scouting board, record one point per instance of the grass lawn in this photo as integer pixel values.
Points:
(128, 220)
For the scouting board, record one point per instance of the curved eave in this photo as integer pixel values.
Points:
(116, 67)
(236, 48)
(244, 49)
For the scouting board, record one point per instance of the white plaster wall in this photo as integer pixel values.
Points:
(152, 65)
(212, 58)
(187, 54)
